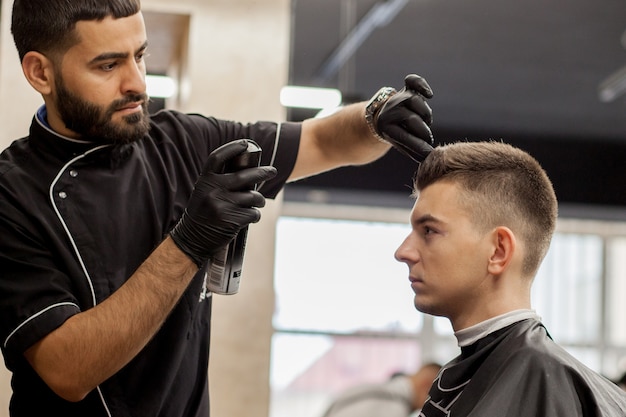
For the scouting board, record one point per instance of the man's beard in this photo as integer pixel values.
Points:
(95, 123)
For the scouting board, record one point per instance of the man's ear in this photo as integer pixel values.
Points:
(39, 72)
(503, 250)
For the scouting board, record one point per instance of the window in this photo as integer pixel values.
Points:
(341, 276)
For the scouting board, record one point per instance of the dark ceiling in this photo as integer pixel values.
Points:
(527, 72)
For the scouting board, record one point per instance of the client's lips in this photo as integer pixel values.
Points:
(414, 279)
(416, 283)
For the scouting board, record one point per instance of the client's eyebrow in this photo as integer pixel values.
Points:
(426, 218)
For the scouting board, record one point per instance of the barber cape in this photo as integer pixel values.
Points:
(518, 371)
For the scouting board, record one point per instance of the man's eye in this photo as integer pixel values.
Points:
(428, 230)
(108, 67)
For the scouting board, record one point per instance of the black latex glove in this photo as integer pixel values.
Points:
(405, 119)
(220, 204)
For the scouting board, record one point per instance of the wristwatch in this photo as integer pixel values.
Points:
(373, 107)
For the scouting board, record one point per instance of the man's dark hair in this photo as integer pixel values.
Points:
(48, 26)
(501, 186)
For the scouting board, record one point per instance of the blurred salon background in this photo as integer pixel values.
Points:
(323, 305)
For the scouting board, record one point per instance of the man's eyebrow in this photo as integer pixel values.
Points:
(426, 218)
(117, 55)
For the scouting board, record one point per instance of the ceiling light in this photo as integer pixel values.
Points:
(310, 97)
(160, 86)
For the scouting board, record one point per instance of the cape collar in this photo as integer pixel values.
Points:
(469, 335)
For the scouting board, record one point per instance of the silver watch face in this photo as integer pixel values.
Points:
(374, 105)
(378, 100)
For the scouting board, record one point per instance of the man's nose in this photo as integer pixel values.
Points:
(134, 79)
(406, 252)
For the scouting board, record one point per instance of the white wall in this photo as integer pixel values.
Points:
(238, 61)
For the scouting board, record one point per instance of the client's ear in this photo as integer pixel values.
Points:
(503, 250)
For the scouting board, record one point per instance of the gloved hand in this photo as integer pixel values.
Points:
(404, 119)
(220, 204)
